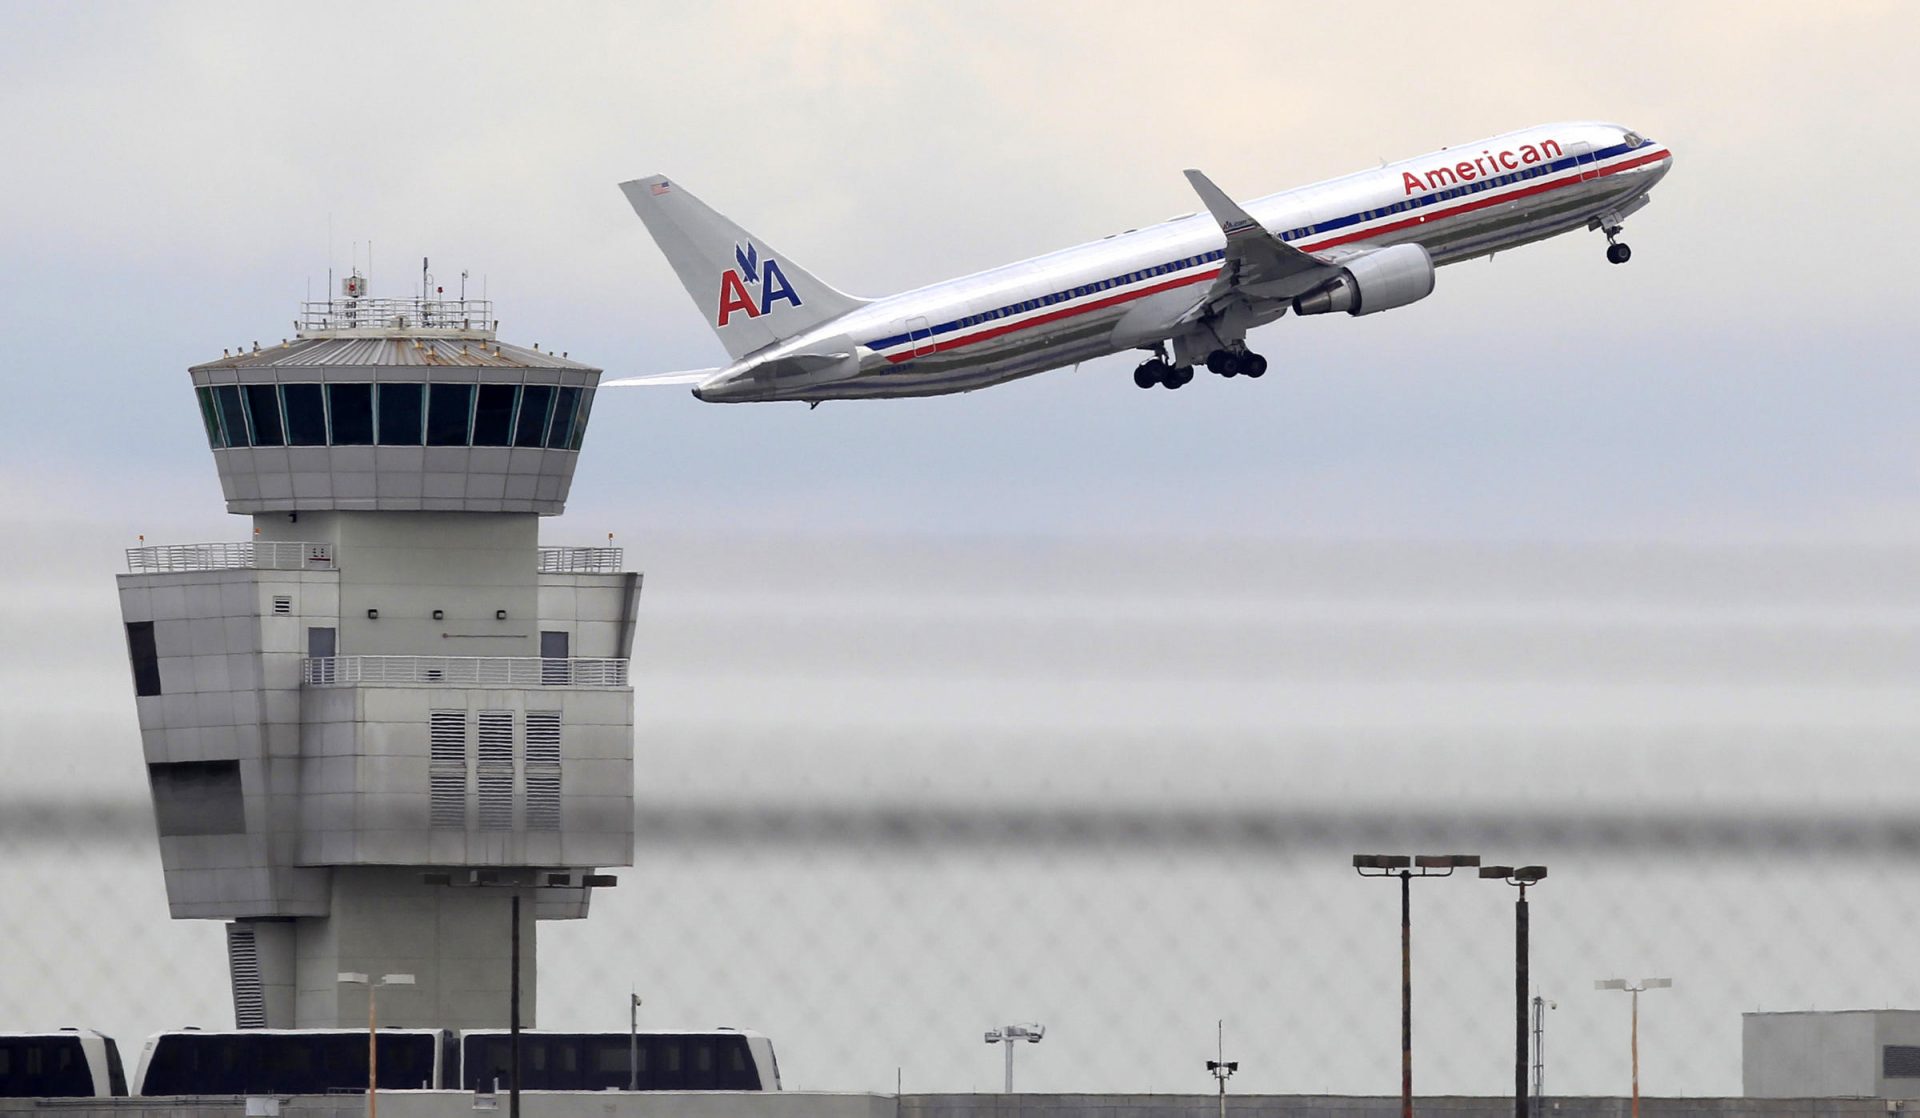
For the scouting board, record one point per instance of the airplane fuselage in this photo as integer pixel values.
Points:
(1119, 293)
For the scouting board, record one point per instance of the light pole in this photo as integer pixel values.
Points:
(1635, 989)
(1521, 877)
(496, 879)
(1008, 1034)
(633, 1041)
(1404, 868)
(1222, 1068)
(355, 978)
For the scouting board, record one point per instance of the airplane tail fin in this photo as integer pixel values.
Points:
(751, 295)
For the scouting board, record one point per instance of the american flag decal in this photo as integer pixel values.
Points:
(661, 187)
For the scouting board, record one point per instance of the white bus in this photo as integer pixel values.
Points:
(287, 1061)
(69, 1063)
(662, 1060)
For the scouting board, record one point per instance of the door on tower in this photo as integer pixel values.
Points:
(555, 648)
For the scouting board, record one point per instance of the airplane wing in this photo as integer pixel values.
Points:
(1258, 265)
(692, 376)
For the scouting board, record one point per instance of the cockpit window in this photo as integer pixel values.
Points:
(1634, 139)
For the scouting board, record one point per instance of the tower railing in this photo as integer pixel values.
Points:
(461, 671)
(272, 555)
(465, 316)
(581, 560)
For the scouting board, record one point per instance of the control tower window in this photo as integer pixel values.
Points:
(449, 413)
(306, 414)
(210, 417)
(566, 405)
(350, 410)
(233, 414)
(263, 411)
(580, 425)
(536, 402)
(493, 415)
(400, 414)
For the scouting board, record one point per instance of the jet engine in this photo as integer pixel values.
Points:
(1379, 281)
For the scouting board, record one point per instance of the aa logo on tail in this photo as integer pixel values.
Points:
(753, 272)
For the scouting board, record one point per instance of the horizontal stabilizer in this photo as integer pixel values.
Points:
(692, 376)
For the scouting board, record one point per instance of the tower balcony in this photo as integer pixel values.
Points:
(312, 555)
(255, 555)
(462, 671)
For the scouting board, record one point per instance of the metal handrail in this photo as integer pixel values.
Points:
(272, 555)
(396, 314)
(461, 671)
(581, 560)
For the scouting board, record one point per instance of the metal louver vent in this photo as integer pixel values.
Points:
(249, 995)
(543, 799)
(447, 768)
(496, 738)
(543, 737)
(282, 604)
(495, 771)
(496, 799)
(543, 770)
(447, 737)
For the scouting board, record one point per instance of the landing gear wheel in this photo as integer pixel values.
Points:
(1221, 362)
(1178, 375)
(1253, 365)
(1150, 373)
(1619, 253)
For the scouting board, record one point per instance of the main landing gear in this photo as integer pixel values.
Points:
(1228, 361)
(1158, 371)
(1236, 363)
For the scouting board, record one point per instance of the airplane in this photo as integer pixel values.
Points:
(1185, 291)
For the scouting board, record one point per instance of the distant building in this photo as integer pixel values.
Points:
(1851, 1053)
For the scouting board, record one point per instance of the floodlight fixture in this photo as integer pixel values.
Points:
(1406, 868)
(1029, 1031)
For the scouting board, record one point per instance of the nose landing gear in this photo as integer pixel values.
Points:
(1617, 251)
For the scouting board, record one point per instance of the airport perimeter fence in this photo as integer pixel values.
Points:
(878, 817)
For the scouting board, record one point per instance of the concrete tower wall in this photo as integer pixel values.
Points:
(403, 566)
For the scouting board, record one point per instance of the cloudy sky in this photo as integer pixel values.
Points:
(1563, 533)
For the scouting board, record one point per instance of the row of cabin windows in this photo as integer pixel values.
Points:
(528, 415)
(1089, 289)
(1290, 235)
(1474, 187)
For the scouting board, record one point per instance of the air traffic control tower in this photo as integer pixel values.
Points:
(390, 689)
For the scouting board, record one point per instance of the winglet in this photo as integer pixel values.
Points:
(1233, 220)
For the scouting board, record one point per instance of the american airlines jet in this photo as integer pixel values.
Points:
(1185, 291)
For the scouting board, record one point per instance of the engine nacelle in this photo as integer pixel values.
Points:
(1379, 281)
